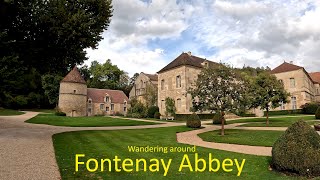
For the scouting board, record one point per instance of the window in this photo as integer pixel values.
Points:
(124, 109)
(74, 91)
(162, 104)
(283, 107)
(162, 84)
(89, 110)
(292, 83)
(101, 106)
(294, 102)
(178, 81)
(141, 84)
(112, 107)
(107, 109)
(138, 91)
(107, 98)
(125, 103)
(89, 101)
(178, 103)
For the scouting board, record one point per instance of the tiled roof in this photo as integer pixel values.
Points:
(98, 95)
(74, 76)
(285, 67)
(185, 59)
(153, 77)
(315, 76)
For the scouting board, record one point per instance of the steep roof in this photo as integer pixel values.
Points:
(185, 59)
(153, 77)
(315, 76)
(98, 95)
(285, 67)
(74, 76)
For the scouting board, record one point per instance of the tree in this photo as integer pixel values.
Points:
(218, 89)
(105, 76)
(170, 107)
(50, 85)
(45, 37)
(267, 92)
(151, 95)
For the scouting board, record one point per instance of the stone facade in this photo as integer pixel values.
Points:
(75, 99)
(176, 78)
(140, 86)
(302, 88)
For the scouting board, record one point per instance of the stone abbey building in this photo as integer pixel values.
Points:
(76, 99)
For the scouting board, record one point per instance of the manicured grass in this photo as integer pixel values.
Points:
(10, 112)
(108, 144)
(276, 124)
(246, 137)
(273, 122)
(97, 121)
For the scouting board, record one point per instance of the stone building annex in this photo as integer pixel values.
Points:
(76, 99)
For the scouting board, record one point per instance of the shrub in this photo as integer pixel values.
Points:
(118, 114)
(152, 110)
(283, 112)
(157, 115)
(136, 115)
(297, 151)
(193, 121)
(217, 119)
(59, 113)
(138, 108)
(317, 114)
(310, 108)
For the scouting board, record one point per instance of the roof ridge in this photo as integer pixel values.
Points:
(74, 76)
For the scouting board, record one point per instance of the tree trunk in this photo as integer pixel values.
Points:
(267, 123)
(222, 123)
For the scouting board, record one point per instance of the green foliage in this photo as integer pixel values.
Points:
(317, 114)
(118, 114)
(157, 115)
(217, 119)
(297, 151)
(267, 92)
(58, 113)
(151, 95)
(310, 108)
(50, 85)
(152, 110)
(138, 110)
(45, 37)
(283, 112)
(170, 106)
(193, 121)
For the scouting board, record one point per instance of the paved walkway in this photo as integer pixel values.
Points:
(27, 152)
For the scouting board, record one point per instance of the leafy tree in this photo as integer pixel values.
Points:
(170, 107)
(50, 85)
(267, 93)
(151, 95)
(218, 89)
(45, 37)
(105, 76)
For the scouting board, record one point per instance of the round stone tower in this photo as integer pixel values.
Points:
(73, 94)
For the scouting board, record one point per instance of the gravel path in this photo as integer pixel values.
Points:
(27, 152)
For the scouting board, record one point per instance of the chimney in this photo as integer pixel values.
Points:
(189, 53)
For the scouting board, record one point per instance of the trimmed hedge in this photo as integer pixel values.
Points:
(193, 121)
(217, 119)
(283, 112)
(317, 114)
(247, 115)
(310, 108)
(180, 117)
(297, 151)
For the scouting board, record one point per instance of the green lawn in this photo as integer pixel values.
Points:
(273, 122)
(276, 124)
(96, 121)
(246, 137)
(108, 144)
(10, 112)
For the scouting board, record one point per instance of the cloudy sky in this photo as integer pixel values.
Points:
(145, 35)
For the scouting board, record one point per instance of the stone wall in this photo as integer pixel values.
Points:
(73, 98)
(118, 107)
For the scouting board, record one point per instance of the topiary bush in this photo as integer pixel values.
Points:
(59, 113)
(217, 119)
(152, 110)
(194, 121)
(297, 151)
(317, 114)
(157, 115)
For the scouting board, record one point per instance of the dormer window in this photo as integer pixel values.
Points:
(89, 101)
(125, 103)
(107, 98)
(74, 91)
